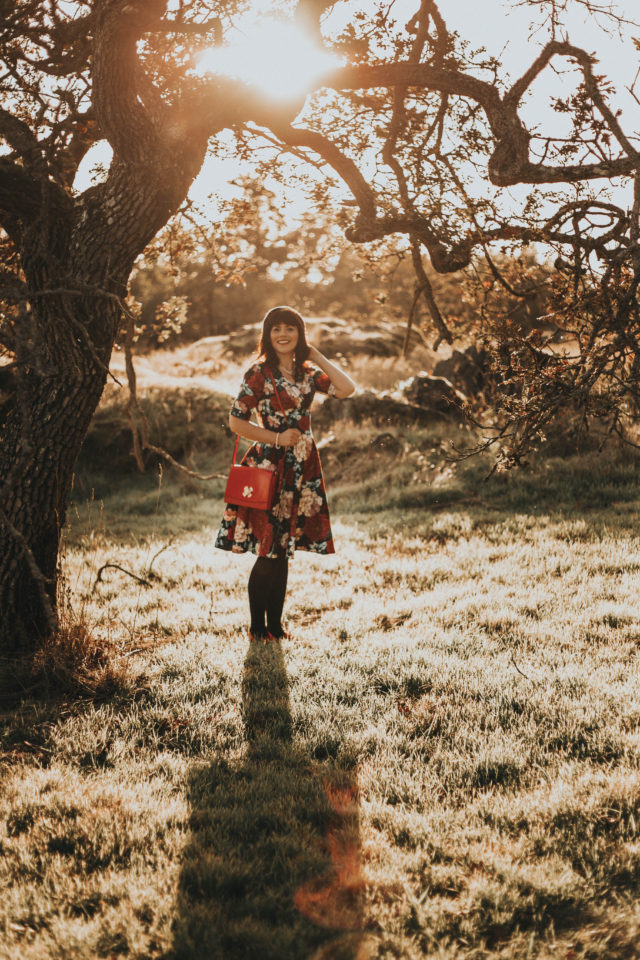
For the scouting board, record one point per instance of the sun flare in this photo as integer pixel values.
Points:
(277, 57)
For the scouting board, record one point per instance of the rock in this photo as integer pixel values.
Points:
(333, 336)
(352, 339)
(466, 369)
(200, 357)
(369, 406)
(243, 342)
(436, 394)
(386, 442)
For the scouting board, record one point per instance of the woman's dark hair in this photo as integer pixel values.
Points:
(265, 349)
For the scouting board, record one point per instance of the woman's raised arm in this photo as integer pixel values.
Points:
(344, 385)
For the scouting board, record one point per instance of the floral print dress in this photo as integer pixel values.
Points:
(299, 518)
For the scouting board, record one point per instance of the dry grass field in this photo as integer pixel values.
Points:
(442, 762)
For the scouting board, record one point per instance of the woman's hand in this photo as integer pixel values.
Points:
(343, 384)
(290, 437)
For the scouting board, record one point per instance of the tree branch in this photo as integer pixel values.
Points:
(189, 27)
(398, 116)
(21, 138)
(510, 162)
(343, 165)
(117, 75)
(427, 292)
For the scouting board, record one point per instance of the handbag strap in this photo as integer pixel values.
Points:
(278, 396)
(235, 449)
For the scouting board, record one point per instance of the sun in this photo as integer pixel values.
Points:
(279, 58)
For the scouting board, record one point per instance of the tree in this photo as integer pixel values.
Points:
(436, 118)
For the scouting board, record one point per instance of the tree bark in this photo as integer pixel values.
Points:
(37, 459)
(76, 254)
(76, 266)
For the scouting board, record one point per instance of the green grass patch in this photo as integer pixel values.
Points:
(443, 761)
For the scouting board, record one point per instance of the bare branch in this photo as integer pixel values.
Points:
(510, 162)
(427, 292)
(343, 165)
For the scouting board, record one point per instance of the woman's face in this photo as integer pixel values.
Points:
(284, 338)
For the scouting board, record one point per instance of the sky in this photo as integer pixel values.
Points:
(505, 30)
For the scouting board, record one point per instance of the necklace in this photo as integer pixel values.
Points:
(286, 370)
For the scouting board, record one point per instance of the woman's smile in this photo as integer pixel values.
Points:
(284, 338)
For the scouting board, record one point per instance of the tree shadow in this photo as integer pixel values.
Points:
(272, 867)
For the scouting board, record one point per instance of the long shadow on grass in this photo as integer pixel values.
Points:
(272, 866)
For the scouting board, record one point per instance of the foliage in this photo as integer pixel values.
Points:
(573, 369)
(349, 282)
(415, 94)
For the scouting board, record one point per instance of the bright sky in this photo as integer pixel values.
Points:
(251, 59)
(503, 28)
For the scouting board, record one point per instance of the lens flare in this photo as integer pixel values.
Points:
(278, 58)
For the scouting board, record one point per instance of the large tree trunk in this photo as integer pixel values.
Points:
(40, 472)
(62, 370)
(76, 254)
(43, 426)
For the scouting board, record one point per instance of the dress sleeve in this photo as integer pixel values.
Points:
(250, 393)
(322, 383)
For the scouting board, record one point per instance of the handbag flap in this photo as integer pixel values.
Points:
(250, 486)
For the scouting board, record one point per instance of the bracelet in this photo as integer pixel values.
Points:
(277, 444)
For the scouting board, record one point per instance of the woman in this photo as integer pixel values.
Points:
(279, 387)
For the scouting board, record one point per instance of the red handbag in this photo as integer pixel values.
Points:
(251, 486)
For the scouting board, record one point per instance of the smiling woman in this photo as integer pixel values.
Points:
(278, 57)
(279, 389)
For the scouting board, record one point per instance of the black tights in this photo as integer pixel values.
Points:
(267, 589)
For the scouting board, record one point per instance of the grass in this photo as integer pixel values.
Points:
(442, 763)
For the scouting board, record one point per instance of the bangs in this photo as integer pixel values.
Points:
(283, 315)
